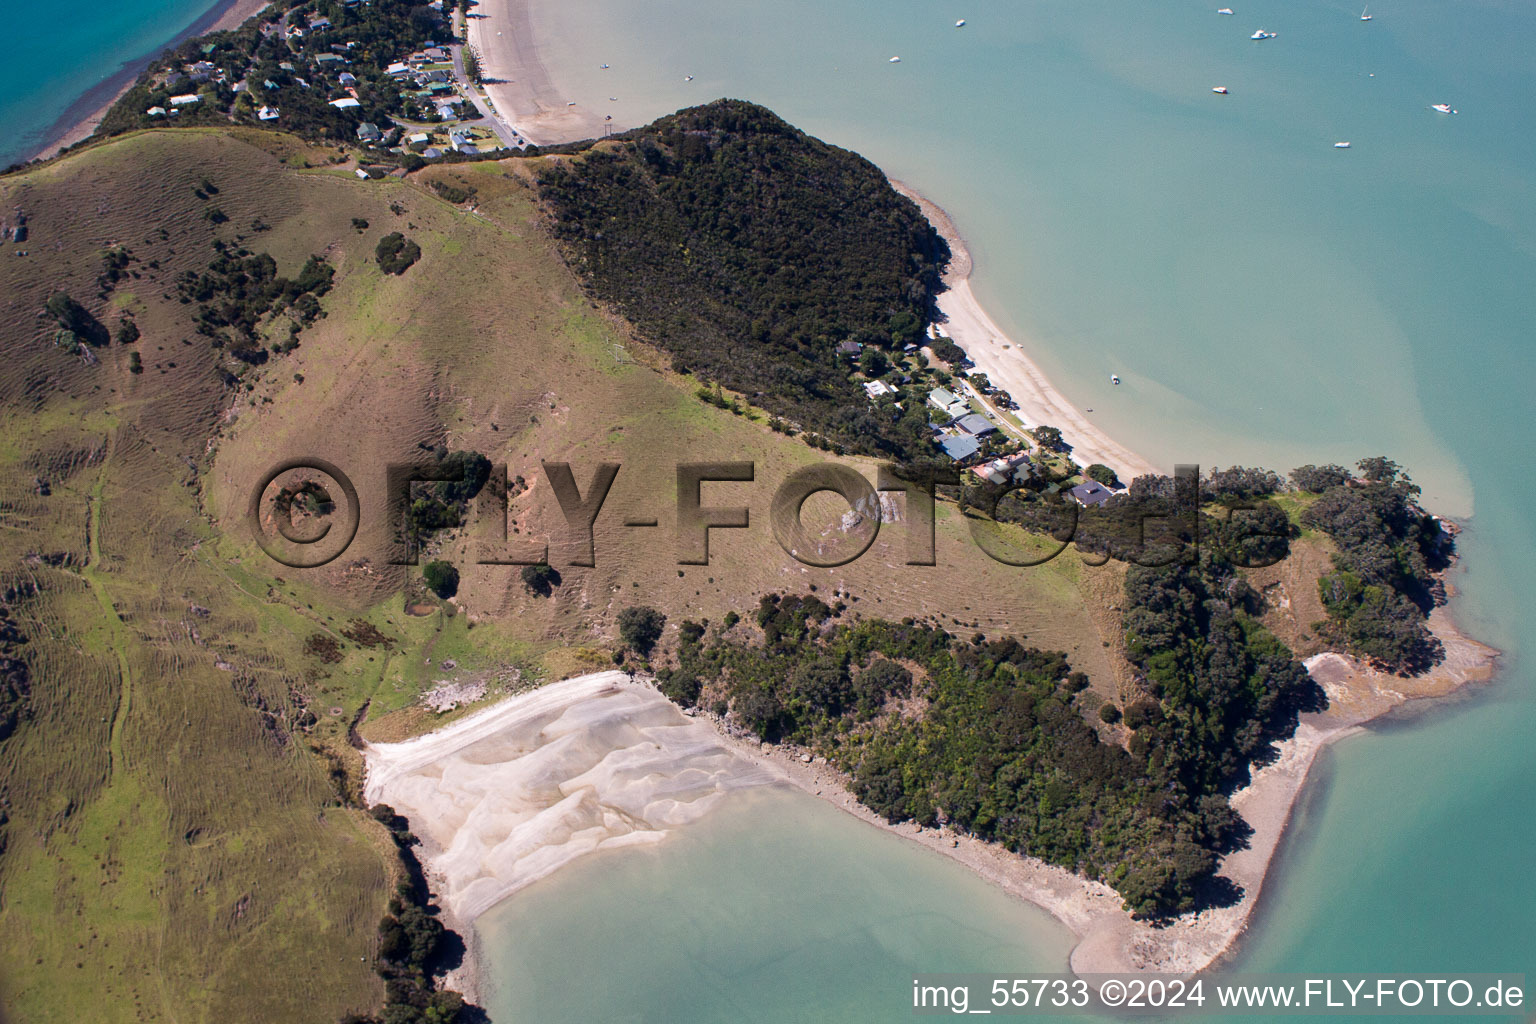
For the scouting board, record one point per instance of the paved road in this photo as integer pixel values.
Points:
(488, 117)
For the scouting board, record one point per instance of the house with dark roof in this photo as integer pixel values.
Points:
(959, 447)
(976, 424)
(1090, 493)
(369, 132)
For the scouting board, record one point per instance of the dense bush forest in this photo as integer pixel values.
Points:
(749, 251)
(1384, 581)
(989, 736)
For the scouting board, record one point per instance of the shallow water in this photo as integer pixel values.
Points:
(776, 907)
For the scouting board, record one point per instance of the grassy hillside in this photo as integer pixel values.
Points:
(179, 841)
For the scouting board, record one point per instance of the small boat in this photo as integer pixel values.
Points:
(1114, 378)
(1365, 16)
(603, 67)
(1444, 108)
(960, 23)
(894, 60)
(1261, 34)
(1341, 145)
(613, 99)
(1225, 10)
(1220, 90)
(687, 78)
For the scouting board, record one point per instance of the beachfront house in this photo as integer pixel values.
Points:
(436, 54)
(1090, 493)
(976, 424)
(1006, 469)
(959, 447)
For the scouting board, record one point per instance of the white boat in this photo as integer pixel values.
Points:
(1341, 145)
(1219, 90)
(1261, 34)
(960, 23)
(1444, 108)
(687, 78)
(1114, 378)
(1364, 16)
(894, 60)
(603, 67)
(1225, 10)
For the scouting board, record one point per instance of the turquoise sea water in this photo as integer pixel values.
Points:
(60, 53)
(1265, 298)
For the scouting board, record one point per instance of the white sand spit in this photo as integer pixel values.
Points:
(504, 797)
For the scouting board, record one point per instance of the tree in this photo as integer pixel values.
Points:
(396, 253)
(872, 363)
(73, 317)
(471, 65)
(1049, 438)
(1109, 714)
(540, 579)
(1103, 474)
(442, 578)
(640, 627)
(1318, 479)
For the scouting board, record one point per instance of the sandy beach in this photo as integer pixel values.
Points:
(1007, 365)
(503, 34)
(527, 785)
(80, 120)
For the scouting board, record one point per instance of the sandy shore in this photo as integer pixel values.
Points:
(1008, 367)
(1109, 940)
(514, 792)
(503, 34)
(80, 120)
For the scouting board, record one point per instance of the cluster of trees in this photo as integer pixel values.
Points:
(396, 253)
(15, 676)
(240, 289)
(749, 251)
(441, 503)
(989, 736)
(383, 31)
(640, 627)
(441, 578)
(1384, 582)
(414, 947)
(76, 324)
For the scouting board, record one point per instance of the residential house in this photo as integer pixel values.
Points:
(369, 132)
(267, 114)
(431, 153)
(468, 149)
(186, 100)
(1006, 469)
(976, 424)
(941, 398)
(155, 111)
(417, 140)
(447, 111)
(1091, 493)
(877, 389)
(319, 24)
(347, 78)
(959, 447)
(346, 103)
(397, 69)
(849, 348)
(330, 61)
(436, 54)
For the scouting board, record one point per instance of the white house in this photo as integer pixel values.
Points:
(345, 103)
(186, 99)
(267, 114)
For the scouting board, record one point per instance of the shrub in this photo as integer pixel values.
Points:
(396, 253)
(540, 579)
(640, 627)
(1109, 714)
(442, 578)
(1103, 474)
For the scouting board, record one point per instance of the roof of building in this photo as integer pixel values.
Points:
(975, 423)
(1091, 492)
(345, 103)
(959, 446)
(942, 398)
